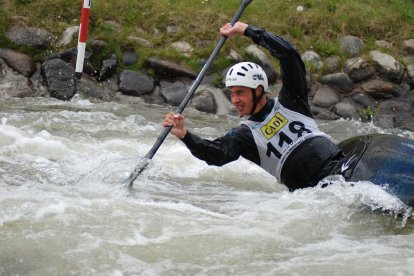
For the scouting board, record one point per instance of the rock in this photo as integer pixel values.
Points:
(92, 90)
(20, 62)
(358, 69)
(409, 60)
(263, 60)
(387, 66)
(404, 120)
(169, 69)
(347, 110)
(233, 55)
(68, 55)
(89, 68)
(323, 113)
(155, 97)
(408, 46)
(173, 93)
(182, 47)
(223, 105)
(392, 107)
(68, 36)
(383, 44)
(410, 74)
(325, 97)
(364, 99)
(113, 25)
(133, 83)
(129, 57)
(339, 81)
(402, 91)
(28, 36)
(59, 77)
(384, 121)
(139, 30)
(96, 45)
(37, 83)
(393, 113)
(332, 64)
(139, 41)
(109, 67)
(173, 30)
(156, 32)
(13, 84)
(203, 44)
(312, 58)
(204, 101)
(351, 46)
(379, 89)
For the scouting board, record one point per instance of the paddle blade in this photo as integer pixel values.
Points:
(137, 171)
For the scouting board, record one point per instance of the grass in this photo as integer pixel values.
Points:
(318, 27)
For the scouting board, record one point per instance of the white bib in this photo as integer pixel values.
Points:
(279, 134)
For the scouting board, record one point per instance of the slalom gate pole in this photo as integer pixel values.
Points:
(83, 32)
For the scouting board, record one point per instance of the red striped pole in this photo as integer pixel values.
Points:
(83, 31)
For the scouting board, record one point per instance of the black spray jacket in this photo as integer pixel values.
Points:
(309, 162)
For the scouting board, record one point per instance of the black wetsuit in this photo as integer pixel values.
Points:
(309, 162)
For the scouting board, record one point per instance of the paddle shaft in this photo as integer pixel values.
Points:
(187, 98)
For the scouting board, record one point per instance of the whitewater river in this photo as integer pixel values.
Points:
(63, 210)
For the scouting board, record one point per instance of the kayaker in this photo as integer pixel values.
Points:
(280, 134)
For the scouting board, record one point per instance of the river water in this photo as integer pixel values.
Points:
(64, 211)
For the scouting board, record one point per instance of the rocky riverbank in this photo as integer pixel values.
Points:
(357, 85)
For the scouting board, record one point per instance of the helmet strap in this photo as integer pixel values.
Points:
(256, 99)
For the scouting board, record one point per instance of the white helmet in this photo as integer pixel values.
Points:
(247, 74)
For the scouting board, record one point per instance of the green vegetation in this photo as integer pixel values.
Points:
(318, 27)
(368, 113)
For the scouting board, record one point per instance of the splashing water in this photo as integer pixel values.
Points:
(64, 211)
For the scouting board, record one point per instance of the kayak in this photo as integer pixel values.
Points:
(383, 159)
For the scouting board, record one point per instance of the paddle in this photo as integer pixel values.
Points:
(145, 161)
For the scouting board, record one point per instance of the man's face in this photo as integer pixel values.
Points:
(241, 98)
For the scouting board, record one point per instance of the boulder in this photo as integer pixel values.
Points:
(332, 64)
(358, 69)
(387, 66)
(351, 46)
(364, 99)
(173, 93)
(169, 69)
(109, 68)
(68, 35)
(129, 57)
(182, 47)
(325, 97)
(140, 41)
(59, 77)
(347, 110)
(29, 36)
(20, 62)
(312, 58)
(379, 89)
(13, 84)
(135, 84)
(408, 46)
(203, 101)
(339, 81)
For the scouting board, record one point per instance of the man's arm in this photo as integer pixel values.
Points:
(294, 93)
(237, 142)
